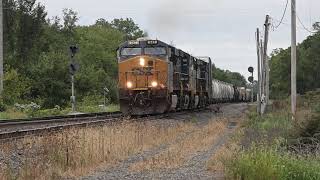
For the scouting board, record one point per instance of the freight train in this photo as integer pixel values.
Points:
(155, 77)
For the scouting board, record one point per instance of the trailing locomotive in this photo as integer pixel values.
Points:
(155, 78)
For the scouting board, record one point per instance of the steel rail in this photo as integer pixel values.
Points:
(84, 120)
(55, 119)
(5, 121)
(38, 131)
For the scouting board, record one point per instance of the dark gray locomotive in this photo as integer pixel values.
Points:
(155, 77)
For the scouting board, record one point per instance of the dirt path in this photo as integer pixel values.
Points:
(186, 156)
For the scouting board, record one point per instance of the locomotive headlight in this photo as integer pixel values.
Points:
(142, 62)
(154, 84)
(129, 85)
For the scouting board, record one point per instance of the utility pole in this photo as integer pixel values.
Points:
(1, 48)
(265, 63)
(265, 54)
(293, 58)
(262, 70)
(259, 71)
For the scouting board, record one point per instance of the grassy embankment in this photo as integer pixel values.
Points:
(274, 146)
(79, 151)
(16, 113)
(76, 152)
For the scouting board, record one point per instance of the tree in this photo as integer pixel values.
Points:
(308, 59)
(24, 23)
(70, 18)
(128, 27)
(316, 26)
(102, 23)
(227, 76)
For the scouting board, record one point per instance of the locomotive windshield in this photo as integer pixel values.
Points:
(131, 51)
(155, 51)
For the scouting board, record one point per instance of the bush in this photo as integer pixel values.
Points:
(30, 109)
(3, 107)
(270, 121)
(266, 164)
(49, 112)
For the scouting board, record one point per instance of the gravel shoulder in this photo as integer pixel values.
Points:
(195, 165)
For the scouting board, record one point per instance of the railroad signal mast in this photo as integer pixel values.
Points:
(73, 68)
(251, 80)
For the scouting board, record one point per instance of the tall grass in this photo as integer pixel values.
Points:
(279, 120)
(12, 113)
(266, 163)
(270, 155)
(78, 151)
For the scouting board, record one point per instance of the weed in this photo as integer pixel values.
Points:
(76, 152)
(267, 156)
(266, 163)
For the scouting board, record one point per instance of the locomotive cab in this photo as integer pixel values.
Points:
(143, 77)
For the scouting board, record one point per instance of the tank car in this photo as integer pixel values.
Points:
(242, 94)
(222, 92)
(248, 95)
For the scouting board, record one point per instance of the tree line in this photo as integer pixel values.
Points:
(37, 58)
(308, 65)
(234, 78)
(36, 55)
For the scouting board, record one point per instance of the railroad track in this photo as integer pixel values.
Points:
(18, 128)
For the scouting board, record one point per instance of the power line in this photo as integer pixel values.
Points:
(304, 27)
(284, 13)
(282, 18)
(289, 24)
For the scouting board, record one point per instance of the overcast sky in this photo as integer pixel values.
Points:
(221, 29)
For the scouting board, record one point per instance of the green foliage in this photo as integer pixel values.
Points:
(229, 77)
(37, 55)
(129, 28)
(16, 86)
(311, 128)
(272, 121)
(308, 64)
(266, 163)
(265, 160)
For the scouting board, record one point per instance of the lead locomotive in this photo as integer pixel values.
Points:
(155, 78)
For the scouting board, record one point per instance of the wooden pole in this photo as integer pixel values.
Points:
(293, 59)
(262, 69)
(259, 71)
(1, 48)
(265, 58)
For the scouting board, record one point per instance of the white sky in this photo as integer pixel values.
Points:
(221, 29)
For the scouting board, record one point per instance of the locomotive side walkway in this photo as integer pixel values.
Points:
(185, 157)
